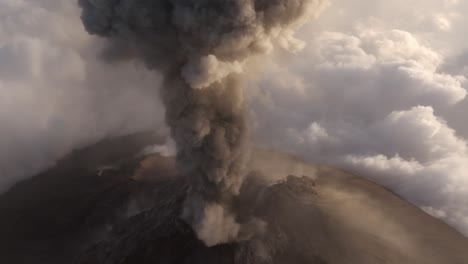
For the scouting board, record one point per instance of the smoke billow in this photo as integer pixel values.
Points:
(201, 47)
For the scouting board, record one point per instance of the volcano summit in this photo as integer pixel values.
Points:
(112, 204)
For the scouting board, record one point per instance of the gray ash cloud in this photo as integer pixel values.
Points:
(201, 47)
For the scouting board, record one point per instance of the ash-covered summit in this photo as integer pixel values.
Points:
(112, 204)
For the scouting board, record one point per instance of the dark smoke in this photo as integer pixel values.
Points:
(201, 47)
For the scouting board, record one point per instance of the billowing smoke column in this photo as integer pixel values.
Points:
(201, 48)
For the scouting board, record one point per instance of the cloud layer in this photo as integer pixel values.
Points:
(379, 97)
(55, 94)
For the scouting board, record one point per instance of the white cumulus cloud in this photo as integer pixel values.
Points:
(380, 90)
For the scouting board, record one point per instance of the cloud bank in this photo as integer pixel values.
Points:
(55, 94)
(378, 97)
(379, 90)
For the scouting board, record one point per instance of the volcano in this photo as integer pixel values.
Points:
(112, 203)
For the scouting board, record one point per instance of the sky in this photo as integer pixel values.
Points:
(379, 90)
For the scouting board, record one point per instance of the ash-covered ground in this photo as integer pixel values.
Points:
(110, 204)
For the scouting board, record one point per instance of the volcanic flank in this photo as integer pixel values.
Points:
(113, 204)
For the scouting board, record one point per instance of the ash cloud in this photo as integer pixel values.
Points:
(201, 47)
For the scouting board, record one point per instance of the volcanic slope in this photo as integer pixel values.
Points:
(111, 203)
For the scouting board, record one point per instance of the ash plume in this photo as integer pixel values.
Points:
(201, 47)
